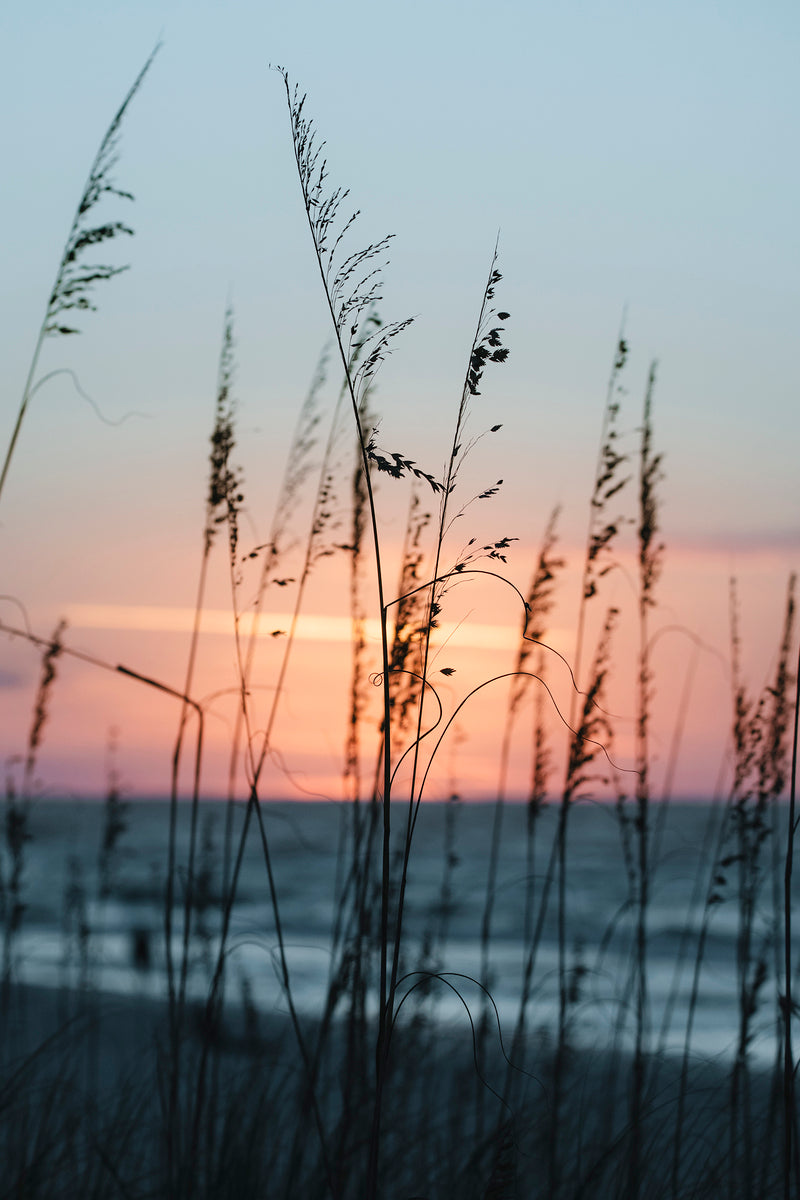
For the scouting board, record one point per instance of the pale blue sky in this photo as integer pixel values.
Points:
(639, 154)
(630, 154)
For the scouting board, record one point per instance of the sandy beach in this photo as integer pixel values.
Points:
(84, 1098)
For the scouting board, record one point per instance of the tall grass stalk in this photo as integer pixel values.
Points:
(715, 895)
(541, 769)
(315, 548)
(772, 777)
(603, 527)
(486, 348)
(272, 553)
(538, 604)
(585, 744)
(357, 897)
(223, 491)
(791, 1148)
(350, 964)
(750, 832)
(650, 555)
(351, 287)
(17, 813)
(75, 279)
(298, 467)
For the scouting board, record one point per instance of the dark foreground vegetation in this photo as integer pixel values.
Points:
(107, 1097)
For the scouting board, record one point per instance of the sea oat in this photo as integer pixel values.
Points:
(75, 281)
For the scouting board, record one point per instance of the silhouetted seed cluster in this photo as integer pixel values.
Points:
(773, 764)
(353, 281)
(760, 749)
(607, 484)
(538, 605)
(542, 757)
(298, 468)
(495, 549)
(46, 682)
(75, 280)
(299, 464)
(651, 474)
(411, 617)
(360, 688)
(324, 519)
(327, 515)
(594, 730)
(486, 347)
(473, 553)
(225, 481)
(489, 348)
(539, 601)
(359, 696)
(396, 465)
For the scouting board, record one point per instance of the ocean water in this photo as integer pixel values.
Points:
(70, 935)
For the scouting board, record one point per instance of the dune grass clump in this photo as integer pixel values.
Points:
(197, 1094)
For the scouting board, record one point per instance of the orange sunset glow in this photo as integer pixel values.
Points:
(102, 517)
(479, 643)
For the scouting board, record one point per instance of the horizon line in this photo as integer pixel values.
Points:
(314, 627)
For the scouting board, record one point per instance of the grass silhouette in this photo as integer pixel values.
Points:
(374, 1097)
